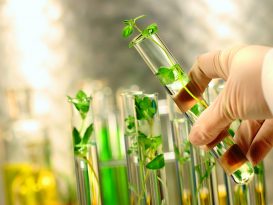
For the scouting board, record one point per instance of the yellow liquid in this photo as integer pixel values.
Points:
(222, 194)
(259, 194)
(204, 197)
(186, 197)
(25, 185)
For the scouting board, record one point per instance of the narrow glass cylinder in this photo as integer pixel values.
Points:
(260, 185)
(85, 157)
(195, 167)
(242, 195)
(183, 152)
(253, 193)
(130, 139)
(189, 99)
(87, 176)
(145, 158)
(112, 164)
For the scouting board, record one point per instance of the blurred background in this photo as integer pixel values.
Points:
(50, 47)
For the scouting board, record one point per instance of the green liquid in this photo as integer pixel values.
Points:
(113, 178)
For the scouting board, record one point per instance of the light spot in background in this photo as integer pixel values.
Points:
(223, 31)
(31, 21)
(227, 7)
(42, 103)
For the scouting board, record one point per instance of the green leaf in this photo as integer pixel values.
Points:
(76, 139)
(76, 136)
(156, 141)
(129, 26)
(157, 163)
(204, 174)
(87, 134)
(199, 173)
(195, 109)
(179, 73)
(185, 156)
(127, 22)
(258, 169)
(238, 174)
(168, 75)
(208, 168)
(129, 151)
(81, 103)
(81, 95)
(176, 152)
(127, 31)
(150, 30)
(145, 107)
(144, 141)
(130, 124)
(165, 75)
(182, 160)
(186, 146)
(231, 132)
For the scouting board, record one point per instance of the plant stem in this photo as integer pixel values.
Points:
(164, 186)
(143, 187)
(157, 195)
(173, 63)
(87, 187)
(138, 29)
(94, 174)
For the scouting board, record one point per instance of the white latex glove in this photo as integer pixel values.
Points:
(241, 98)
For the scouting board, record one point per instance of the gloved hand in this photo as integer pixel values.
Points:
(241, 98)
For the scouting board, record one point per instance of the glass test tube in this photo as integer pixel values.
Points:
(189, 99)
(143, 140)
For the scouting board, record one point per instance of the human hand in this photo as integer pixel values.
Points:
(241, 98)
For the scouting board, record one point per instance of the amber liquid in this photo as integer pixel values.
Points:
(184, 100)
(232, 159)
